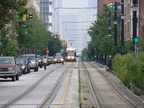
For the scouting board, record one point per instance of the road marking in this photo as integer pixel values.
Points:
(66, 85)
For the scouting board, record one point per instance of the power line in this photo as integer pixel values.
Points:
(76, 8)
(79, 22)
(76, 29)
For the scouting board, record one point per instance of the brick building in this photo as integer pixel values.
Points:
(128, 12)
(128, 20)
(101, 2)
(141, 18)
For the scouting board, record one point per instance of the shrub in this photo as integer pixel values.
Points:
(130, 69)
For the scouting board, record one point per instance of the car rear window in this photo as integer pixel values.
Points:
(6, 61)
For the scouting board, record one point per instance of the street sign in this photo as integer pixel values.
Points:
(1, 43)
(136, 40)
(47, 51)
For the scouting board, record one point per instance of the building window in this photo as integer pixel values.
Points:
(50, 3)
(50, 13)
(49, 24)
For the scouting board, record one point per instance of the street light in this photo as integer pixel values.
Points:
(135, 8)
(122, 26)
(115, 28)
(109, 28)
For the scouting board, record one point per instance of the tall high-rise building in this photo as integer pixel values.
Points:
(44, 11)
(47, 13)
(74, 18)
(33, 4)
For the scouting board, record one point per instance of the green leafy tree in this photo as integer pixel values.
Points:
(54, 46)
(8, 9)
(33, 34)
(99, 34)
(9, 44)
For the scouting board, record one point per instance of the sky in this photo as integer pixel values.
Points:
(75, 18)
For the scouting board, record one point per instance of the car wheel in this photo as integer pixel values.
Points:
(25, 71)
(13, 78)
(40, 66)
(28, 70)
(17, 77)
(36, 69)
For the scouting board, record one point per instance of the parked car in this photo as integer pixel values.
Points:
(33, 61)
(9, 68)
(25, 65)
(59, 59)
(40, 62)
(50, 60)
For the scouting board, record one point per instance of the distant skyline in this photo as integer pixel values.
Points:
(74, 19)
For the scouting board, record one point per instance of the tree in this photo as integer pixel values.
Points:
(54, 46)
(8, 10)
(33, 34)
(102, 43)
(100, 35)
(9, 44)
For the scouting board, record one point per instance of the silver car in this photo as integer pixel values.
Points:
(33, 61)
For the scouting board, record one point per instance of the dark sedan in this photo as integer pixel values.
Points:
(58, 59)
(24, 62)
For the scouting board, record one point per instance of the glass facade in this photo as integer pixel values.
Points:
(44, 10)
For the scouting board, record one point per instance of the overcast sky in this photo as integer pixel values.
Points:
(67, 3)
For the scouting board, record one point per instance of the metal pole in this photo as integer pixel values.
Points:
(135, 3)
(122, 26)
(109, 23)
(115, 28)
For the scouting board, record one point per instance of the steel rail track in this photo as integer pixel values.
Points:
(89, 81)
(116, 88)
(29, 90)
(48, 100)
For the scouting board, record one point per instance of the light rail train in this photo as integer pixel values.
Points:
(70, 54)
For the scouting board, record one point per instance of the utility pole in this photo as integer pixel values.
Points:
(135, 8)
(115, 28)
(122, 27)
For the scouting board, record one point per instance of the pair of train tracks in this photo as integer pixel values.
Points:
(106, 92)
(51, 95)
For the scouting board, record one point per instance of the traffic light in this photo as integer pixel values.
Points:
(54, 35)
(46, 48)
(24, 17)
(64, 42)
(27, 16)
